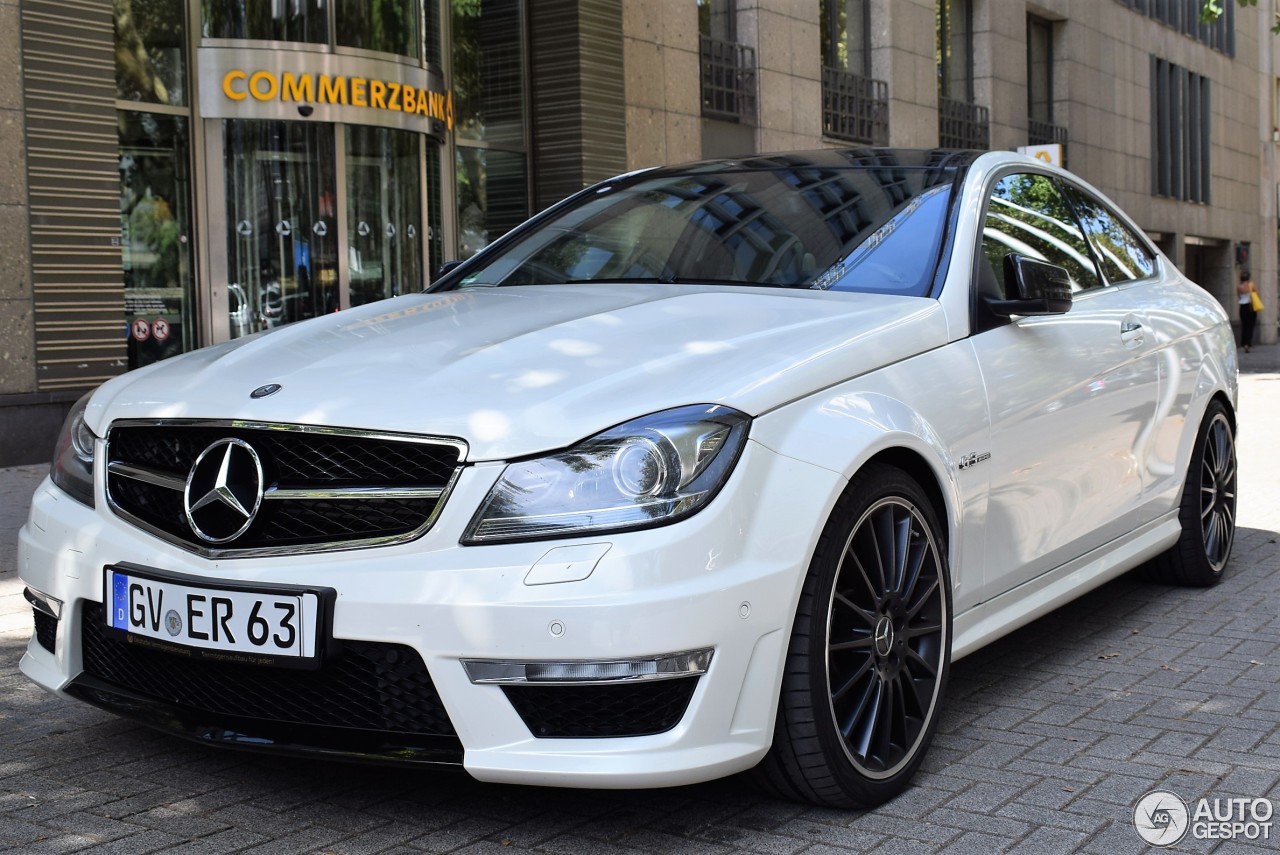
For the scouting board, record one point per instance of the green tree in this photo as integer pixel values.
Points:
(1212, 10)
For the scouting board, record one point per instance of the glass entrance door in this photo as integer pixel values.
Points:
(316, 217)
(384, 213)
(282, 235)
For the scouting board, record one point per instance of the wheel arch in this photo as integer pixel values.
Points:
(914, 464)
(844, 433)
(1210, 387)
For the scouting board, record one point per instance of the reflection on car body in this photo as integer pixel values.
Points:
(706, 469)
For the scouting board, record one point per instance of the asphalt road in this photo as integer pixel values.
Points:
(1049, 738)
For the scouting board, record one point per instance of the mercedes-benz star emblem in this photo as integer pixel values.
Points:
(264, 391)
(224, 490)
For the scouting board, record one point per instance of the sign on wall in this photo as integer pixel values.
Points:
(1051, 153)
(238, 83)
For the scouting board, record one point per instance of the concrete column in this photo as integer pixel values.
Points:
(17, 329)
(903, 42)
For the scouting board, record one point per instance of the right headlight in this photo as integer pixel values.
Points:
(649, 471)
(72, 468)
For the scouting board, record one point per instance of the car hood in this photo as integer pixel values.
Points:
(515, 371)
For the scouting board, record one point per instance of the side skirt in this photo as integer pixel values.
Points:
(984, 623)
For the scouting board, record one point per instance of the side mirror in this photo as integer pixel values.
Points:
(446, 267)
(1042, 288)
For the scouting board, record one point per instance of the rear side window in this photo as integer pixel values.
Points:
(1120, 252)
(1029, 216)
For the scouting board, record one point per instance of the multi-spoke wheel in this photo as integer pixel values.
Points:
(869, 652)
(1208, 511)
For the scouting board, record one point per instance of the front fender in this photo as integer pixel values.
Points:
(843, 428)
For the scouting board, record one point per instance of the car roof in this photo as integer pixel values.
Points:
(827, 158)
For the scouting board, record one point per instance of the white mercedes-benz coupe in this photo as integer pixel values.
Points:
(705, 469)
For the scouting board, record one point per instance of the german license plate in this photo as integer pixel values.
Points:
(239, 623)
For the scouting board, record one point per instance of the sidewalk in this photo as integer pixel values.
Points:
(1261, 359)
(17, 483)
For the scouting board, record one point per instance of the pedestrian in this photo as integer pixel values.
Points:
(1248, 314)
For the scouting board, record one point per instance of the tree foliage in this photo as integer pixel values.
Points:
(1212, 10)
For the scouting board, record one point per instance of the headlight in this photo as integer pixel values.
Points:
(650, 471)
(73, 457)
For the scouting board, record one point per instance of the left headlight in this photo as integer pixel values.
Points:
(650, 471)
(72, 468)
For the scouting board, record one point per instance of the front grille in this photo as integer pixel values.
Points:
(369, 686)
(323, 488)
(46, 629)
(582, 712)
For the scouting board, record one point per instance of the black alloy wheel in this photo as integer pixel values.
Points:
(1208, 509)
(870, 650)
(1218, 492)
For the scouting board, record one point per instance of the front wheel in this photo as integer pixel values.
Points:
(870, 650)
(1208, 509)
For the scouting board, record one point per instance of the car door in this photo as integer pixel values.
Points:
(1069, 395)
(1129, 263)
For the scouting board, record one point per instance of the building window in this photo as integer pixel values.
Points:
(1184, 16)
(845, 29)
(955, 50)
(266, 20)
(1041, 129)
(728, 68)
(388, 26)
(154, 161)
(490, 119)
(155, 235)
(961, 123)
(854, 106)
(384, 26)
(1180, 132)
(150, 38)
(431, 29)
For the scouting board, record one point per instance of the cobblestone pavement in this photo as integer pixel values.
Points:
(1049, 738)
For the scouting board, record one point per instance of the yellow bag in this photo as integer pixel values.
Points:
(1256, 301)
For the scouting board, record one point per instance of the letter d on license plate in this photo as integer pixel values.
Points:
(228, 621)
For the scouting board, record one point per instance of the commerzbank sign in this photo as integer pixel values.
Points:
(315, 86)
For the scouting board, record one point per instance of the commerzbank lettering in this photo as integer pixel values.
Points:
(312, 88)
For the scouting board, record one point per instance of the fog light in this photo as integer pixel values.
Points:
(588, 672)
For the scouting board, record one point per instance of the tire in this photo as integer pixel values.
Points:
(869, 653)
(1208, 509)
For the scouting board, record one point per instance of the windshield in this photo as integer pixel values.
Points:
(819, 227)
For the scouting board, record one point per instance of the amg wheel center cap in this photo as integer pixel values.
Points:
(883, 636)
(223, 491)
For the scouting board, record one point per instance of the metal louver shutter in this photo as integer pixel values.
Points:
(68, 56)
(579, 118)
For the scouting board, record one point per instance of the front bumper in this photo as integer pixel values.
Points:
(725, 580)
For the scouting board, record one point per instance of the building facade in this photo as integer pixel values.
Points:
(178, 173)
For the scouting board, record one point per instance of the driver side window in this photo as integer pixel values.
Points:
(1028, 215)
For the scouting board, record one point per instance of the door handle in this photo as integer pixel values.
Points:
(1131, 332)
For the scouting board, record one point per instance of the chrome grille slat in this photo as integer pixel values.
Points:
(329, 488)
(357, 493)
(149, 476)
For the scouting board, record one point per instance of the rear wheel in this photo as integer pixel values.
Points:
(1208, 510)
(870, 650)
